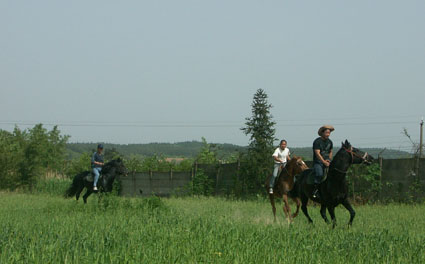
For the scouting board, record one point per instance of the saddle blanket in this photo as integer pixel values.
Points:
(310, 176)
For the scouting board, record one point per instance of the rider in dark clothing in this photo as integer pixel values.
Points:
(96, 163)
(322, 155)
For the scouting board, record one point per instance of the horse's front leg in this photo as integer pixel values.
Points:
(298, 202)
(304, 201)
(348, 206)
(286, 208)
(331, 210)
(272, 202)
(323, 213)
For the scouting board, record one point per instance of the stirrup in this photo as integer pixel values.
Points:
(316, 193)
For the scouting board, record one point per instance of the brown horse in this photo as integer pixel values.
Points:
(284, 184)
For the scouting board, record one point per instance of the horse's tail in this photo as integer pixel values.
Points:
(77, 182)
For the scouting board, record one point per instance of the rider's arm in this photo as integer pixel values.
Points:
(276, 158)
(330, 155)
(317, 153)
(94, 161)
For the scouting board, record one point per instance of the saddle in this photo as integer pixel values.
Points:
(309, 173)
(90, 177)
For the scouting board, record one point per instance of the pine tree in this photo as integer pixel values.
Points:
(260, 128)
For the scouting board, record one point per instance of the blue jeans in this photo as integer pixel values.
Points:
(275, 171)
(96, 172)
(318, 172)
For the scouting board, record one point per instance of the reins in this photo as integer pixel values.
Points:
(352, 158)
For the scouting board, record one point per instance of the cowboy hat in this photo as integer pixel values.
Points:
(323, 128)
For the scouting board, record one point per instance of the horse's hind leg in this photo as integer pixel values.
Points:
(87, 194)
(286, 208)
(304, 201)
(323, 213)
(298, 202)
(77, 195)
(348, 206)
(272, 202)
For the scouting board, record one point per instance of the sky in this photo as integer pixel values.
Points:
(171, 71)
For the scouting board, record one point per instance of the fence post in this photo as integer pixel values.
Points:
(352, 184)
(380, 178)
(134, 182)
(217, 176)
(195, 170)
(150, 180)
(171, 178)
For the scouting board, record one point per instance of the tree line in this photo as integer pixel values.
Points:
(28, 155)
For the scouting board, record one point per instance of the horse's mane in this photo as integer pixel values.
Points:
(294, 158)
(338, 153)
(110, 164)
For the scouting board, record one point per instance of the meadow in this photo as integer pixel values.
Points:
(40, 228)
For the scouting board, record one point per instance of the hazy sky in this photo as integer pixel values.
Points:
(170, 71)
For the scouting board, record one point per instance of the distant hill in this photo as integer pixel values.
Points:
(307, 153)
(190, 149)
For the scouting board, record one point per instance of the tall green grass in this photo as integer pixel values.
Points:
(109, 229)
(52, 186)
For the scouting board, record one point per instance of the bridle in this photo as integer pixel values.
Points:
(350, 150)
(363, 158)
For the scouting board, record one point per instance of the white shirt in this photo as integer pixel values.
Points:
(281, 154)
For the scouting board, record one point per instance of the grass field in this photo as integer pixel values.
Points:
(51, 229)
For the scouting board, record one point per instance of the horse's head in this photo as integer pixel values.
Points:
(113, 169)
(357, 156)
(120, 167)
(296, 165)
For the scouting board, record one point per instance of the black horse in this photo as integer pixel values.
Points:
(110, 171)
(334, 189)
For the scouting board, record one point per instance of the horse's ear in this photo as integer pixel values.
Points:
(347, 144)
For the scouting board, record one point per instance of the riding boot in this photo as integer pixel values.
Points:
(316, 192)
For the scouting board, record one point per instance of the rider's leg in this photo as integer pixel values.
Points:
(96, 172)
(274, 176)
(318, 175)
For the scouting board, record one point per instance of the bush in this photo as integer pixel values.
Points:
(200, 185)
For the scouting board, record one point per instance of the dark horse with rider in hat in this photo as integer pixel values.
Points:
(334, 188)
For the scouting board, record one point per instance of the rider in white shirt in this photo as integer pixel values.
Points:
(281, 157)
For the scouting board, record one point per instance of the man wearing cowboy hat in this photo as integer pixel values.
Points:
(322, 155)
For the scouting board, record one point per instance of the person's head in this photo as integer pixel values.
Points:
(283, 144)
(100, 148)
(326, 133)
